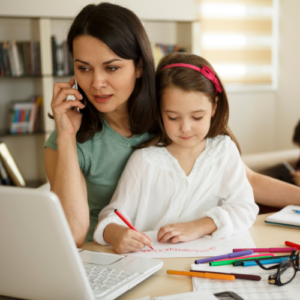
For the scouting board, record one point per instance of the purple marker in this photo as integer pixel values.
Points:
(272, 250)
(229, 255)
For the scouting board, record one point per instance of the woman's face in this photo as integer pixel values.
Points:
(106, 79)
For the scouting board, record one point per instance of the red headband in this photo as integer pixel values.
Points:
(206, 71)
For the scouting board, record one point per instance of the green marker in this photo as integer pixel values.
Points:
(231, 261)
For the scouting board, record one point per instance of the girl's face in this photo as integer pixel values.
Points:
(186, 116)
(107, 79)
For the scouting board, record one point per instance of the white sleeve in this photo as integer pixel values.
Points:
(125, 198)
(237, 210)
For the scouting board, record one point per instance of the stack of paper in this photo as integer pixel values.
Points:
(248, 290)
(286, 217)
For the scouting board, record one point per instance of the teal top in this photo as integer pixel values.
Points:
(102, 160)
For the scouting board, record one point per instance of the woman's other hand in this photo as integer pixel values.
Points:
(66, 120)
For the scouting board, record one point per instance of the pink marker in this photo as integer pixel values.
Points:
(285, 249)
(252, 256)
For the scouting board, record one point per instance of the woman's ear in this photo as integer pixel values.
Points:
(139, 68)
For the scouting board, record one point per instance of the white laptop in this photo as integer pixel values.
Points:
(39, 258)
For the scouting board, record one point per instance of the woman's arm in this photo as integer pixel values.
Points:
(67, 182)
(62, 166)
(272, 192)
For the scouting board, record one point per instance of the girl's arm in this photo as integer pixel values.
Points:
(237, 210)
(185, 232)
(111, 229)
(62, 167)
(272, 192)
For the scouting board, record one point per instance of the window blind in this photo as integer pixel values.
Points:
(238, 37)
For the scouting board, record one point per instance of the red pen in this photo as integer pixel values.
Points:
(127, 222)
(290, 244)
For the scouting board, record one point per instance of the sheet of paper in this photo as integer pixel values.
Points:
(286, 216)
(205, 246)
(184, 296)
(248, 290)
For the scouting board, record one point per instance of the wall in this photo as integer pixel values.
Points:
(288, 94)
(252, 119)
(146, 9)
(262, 120)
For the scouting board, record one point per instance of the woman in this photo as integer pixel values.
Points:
(85, 156)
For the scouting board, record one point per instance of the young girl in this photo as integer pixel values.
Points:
(192, 182)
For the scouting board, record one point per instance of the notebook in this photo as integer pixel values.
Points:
(39, 258)
(200, 295)
(285, 217)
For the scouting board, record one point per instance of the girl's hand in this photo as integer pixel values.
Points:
(185, 232)
(124, 239)
(296, 177)
(67, 121)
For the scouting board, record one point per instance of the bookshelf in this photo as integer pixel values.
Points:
(27, 149)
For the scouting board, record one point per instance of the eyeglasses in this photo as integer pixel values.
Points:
(286, 270)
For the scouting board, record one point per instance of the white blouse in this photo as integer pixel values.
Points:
(154, 191)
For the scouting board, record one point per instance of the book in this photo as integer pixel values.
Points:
(16, 59)
(54, 55)
(2, 66)
(285, 217)
(10, 166)
(24, 115)
(3, 175)
(6, 61)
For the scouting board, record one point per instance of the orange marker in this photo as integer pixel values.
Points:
(202, 275)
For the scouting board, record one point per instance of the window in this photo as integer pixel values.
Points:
(239, 38)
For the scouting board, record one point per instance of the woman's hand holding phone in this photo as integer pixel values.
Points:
(67, 121)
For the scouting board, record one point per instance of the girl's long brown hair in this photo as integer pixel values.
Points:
(190, 80)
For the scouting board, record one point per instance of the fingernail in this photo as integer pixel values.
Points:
(80, 96)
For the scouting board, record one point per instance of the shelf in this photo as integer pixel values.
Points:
(31, 184)
(8, 134)
(21, 77)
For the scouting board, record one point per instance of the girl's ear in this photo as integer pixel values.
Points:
(215, 106)
(139, 69)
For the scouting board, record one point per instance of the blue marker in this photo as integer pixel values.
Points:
(264, 262)
(296, 211)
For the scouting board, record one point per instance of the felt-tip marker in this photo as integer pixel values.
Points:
(290, 244)
(229, 255)
(236, 275)
(272, 250)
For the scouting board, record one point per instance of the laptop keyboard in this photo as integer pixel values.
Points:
(104, 280)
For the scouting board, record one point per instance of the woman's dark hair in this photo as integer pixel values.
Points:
(296, 137)
(190, 80)
(121, 30)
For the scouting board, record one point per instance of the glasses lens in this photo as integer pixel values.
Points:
(287, 271)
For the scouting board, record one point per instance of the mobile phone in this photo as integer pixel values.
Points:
(228, 296)
(72, 97)
(288, 166)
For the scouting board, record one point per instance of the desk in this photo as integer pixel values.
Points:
(160, 284)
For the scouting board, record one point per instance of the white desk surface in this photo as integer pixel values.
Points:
(160, 284)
